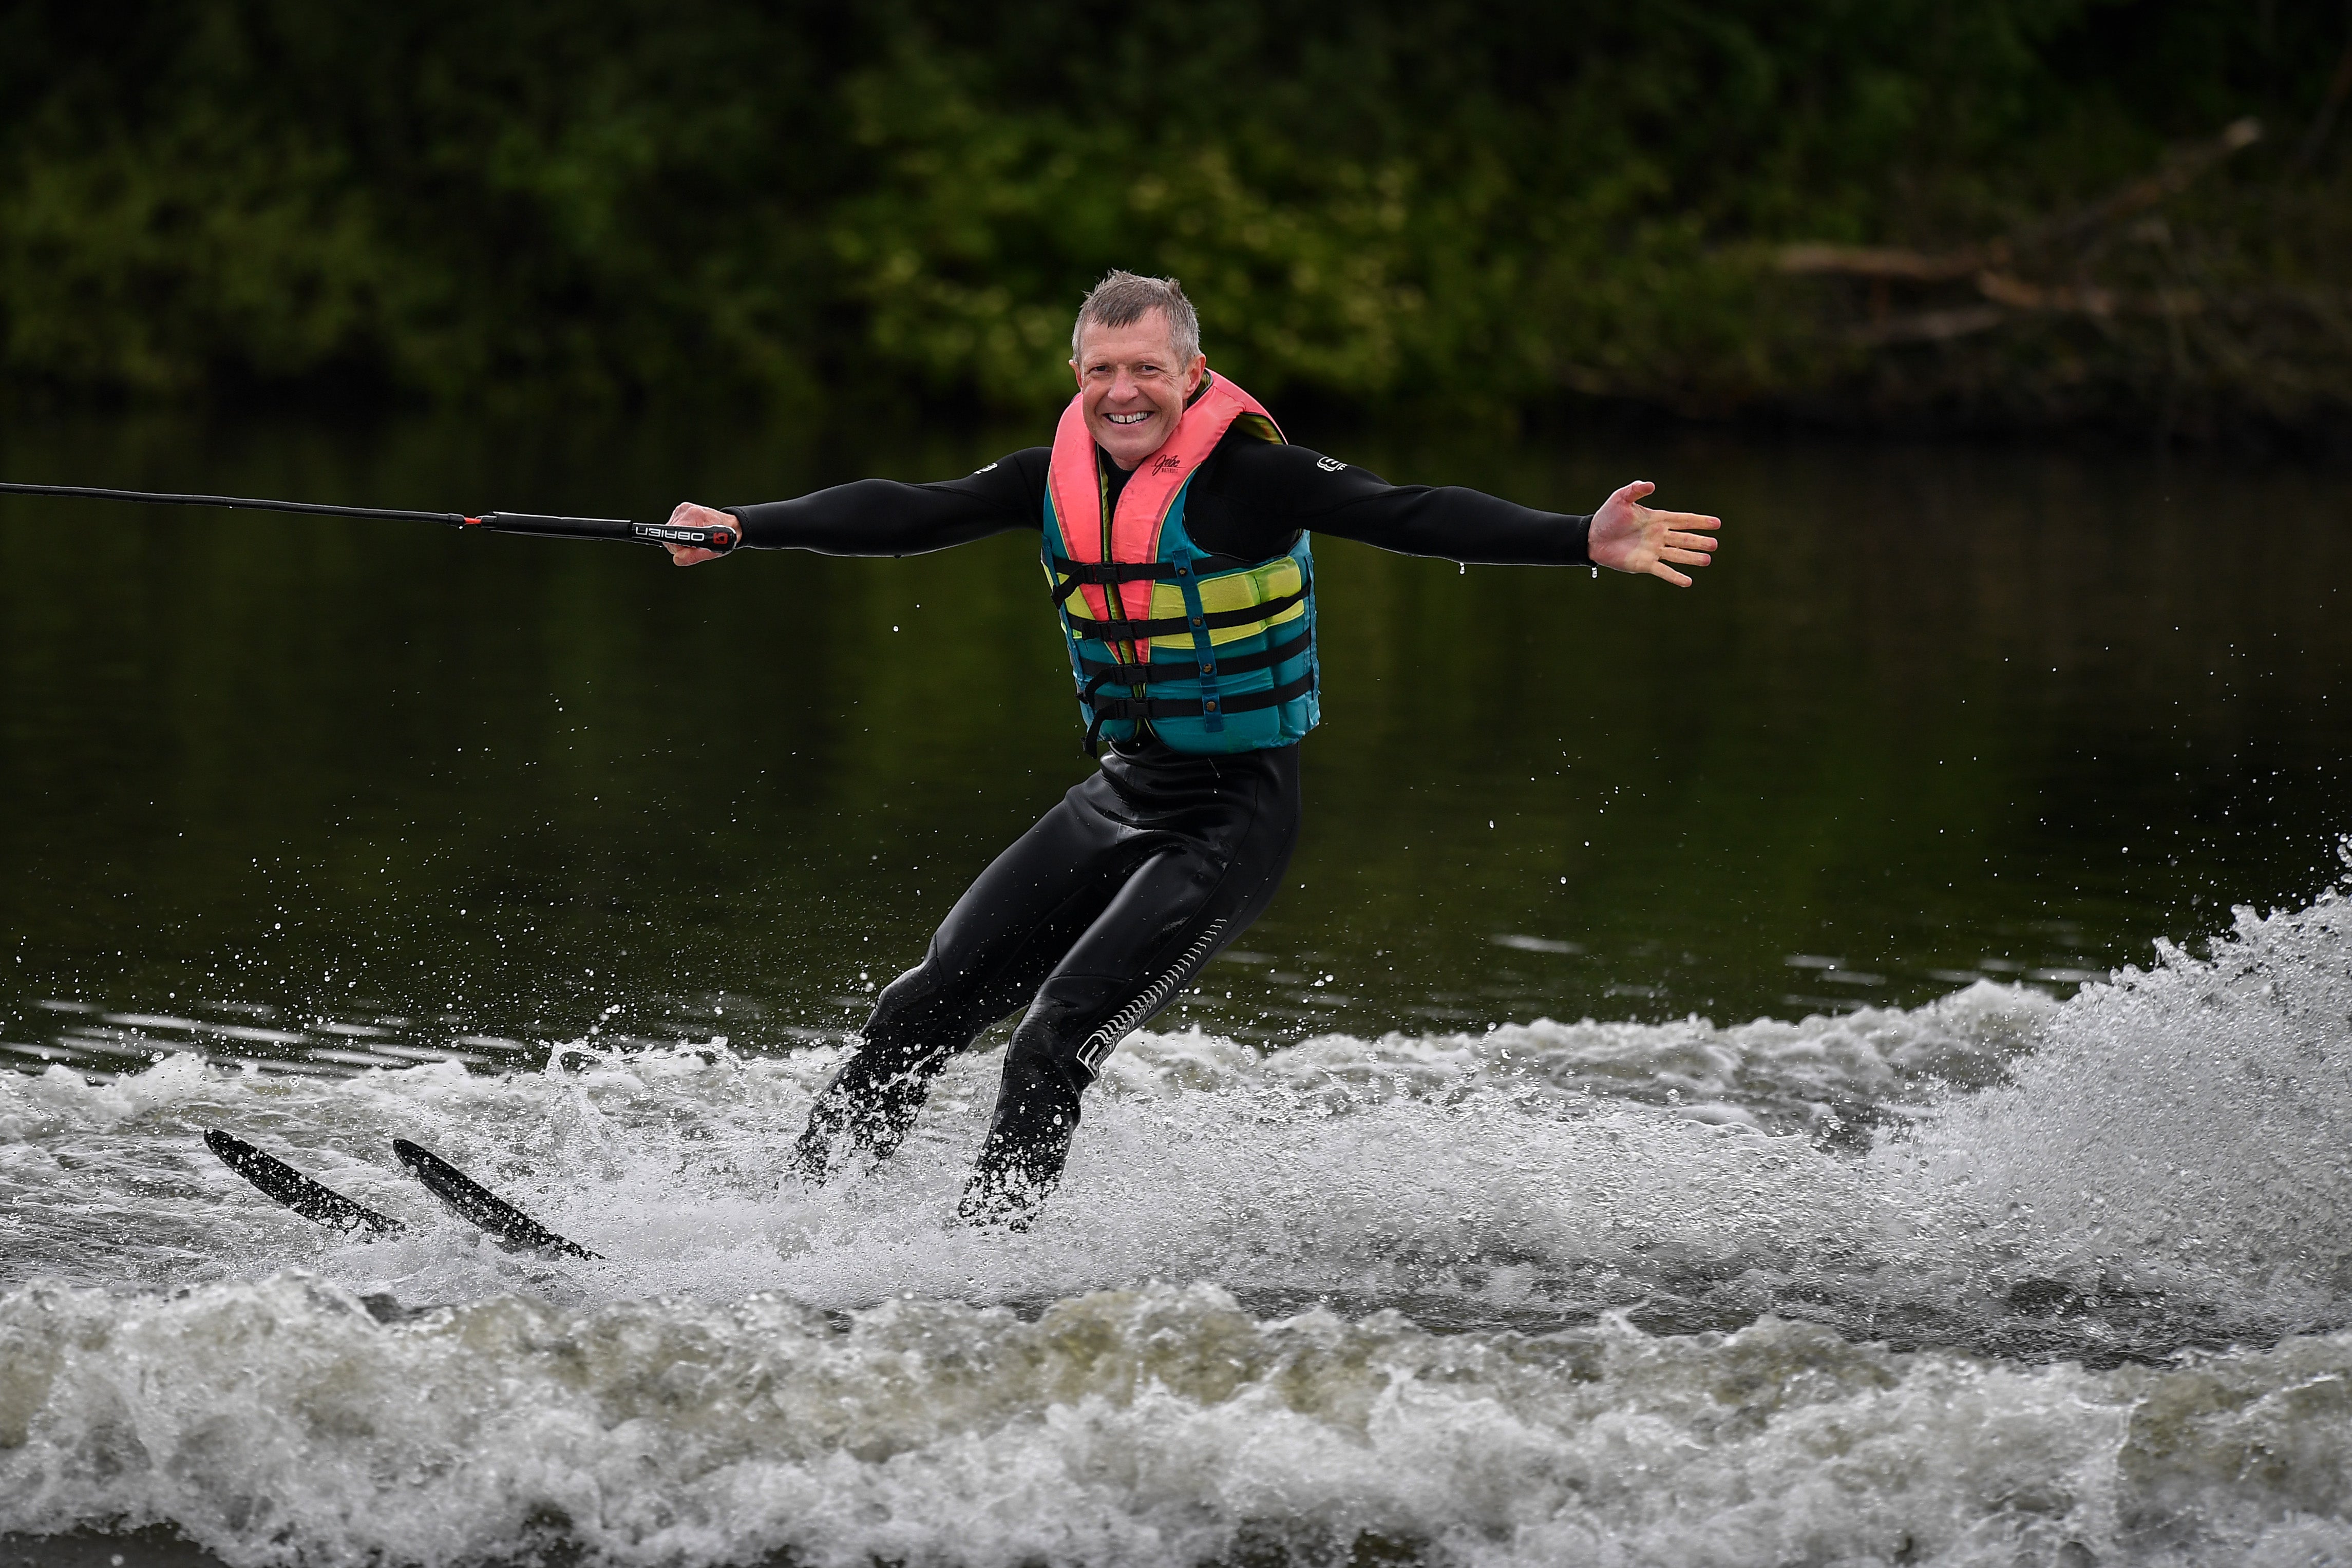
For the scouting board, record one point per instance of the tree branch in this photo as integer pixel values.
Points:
(1922, 267)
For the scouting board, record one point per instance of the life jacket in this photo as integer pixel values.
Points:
(1213, 658)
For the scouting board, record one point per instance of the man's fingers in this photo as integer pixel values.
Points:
(1687, 519)
(1690, 541)
(1683, 557)
(1660, 568)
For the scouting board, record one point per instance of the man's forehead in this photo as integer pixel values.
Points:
(1147, 337)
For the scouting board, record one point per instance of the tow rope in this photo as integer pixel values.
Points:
(717, 537)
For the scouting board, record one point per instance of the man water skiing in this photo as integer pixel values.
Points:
(1175, 522)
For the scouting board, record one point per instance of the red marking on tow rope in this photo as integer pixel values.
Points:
(473, 522)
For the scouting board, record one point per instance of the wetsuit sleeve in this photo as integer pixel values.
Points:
(883, 517)
(1272, 490)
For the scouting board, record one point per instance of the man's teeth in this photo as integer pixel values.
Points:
(1128, 418)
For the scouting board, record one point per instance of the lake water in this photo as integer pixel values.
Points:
(1845, 1064)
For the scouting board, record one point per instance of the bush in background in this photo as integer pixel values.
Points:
(1418, 207)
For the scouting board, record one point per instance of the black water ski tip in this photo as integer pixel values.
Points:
(298, 1192)
(477, 1206)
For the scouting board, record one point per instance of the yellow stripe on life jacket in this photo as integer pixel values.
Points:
(1277, 579)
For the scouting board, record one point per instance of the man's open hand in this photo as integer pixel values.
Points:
(685, 514)
(1628, 536)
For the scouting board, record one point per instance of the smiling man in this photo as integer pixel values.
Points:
(1175, 523)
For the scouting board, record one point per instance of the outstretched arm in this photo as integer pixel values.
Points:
(1628, 536)
(1252, 500)
(882, 517)
(1256, 494)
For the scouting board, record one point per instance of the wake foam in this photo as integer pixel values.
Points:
(2185, 1124)
(276, 1421)
(1530, 1175)
(1903, 1285)
(2146, 1165)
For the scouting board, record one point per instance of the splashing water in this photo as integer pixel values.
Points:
(1999, 1278)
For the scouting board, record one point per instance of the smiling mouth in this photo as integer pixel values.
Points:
(1128, 418)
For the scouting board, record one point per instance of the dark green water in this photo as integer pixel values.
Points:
(1935, 713)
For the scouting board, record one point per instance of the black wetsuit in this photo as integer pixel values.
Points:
(1097, 916)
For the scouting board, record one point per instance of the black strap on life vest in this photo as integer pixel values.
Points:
(1178, 625)
(1103, 574)
(1100, 675)
(1107, 709)
(1103, 709)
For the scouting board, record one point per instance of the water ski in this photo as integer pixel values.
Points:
(298, 1192)
(477, 1206)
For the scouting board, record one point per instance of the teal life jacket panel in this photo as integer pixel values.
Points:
(1213, 661)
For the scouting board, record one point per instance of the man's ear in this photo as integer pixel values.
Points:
(1079, 375)
(1200, 368)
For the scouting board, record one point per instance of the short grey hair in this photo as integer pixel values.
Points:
(1123, 298)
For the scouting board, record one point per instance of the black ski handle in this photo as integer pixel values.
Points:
(720, 538)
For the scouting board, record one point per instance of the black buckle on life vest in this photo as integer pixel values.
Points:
(1110, 709)
(1104, 709)
(1106, 574)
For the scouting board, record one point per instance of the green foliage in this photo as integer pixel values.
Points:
(611, 201)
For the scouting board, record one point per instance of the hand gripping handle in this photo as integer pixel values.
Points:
(718, 538)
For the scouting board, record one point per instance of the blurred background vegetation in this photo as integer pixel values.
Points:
(1915, 214)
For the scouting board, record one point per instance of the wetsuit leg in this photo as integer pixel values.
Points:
(989, 956)
(1177, 910)
(1101, 912)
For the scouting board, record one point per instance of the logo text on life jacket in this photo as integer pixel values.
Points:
(1329, 464)
(1168, 465)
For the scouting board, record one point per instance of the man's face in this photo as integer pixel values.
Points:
(1132, 389)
